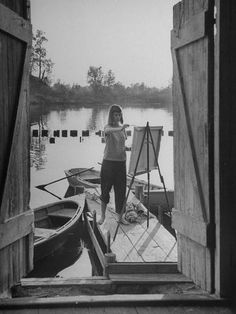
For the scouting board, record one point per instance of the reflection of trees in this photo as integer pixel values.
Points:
(39, 118)
(63, 115)
(92, 122)
(38, 156)
(38, 115)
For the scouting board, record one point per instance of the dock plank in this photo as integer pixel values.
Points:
(143, 244)
(122, 245)
(135, 242)
(163, 240)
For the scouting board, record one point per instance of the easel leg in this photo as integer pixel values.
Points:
(159, 171)
(148, 173)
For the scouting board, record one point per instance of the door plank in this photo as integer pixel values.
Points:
(13, 24)
(190, 134)
(17, 129)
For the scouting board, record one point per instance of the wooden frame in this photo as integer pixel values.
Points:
(192, 47)
(225, 150)
(224, 131)
(16, 219)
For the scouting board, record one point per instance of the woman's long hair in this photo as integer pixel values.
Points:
(114, 108)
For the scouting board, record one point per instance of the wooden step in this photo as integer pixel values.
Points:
(118, 303)
(55, 287)
(149, 278)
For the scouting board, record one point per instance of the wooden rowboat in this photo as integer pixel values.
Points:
(91, 179)
(53, 222)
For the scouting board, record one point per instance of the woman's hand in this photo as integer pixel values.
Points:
(124, 126)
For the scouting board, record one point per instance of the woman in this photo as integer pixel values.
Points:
(113, 171)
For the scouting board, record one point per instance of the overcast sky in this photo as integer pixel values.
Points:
(130, 37)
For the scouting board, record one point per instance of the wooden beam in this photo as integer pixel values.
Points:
(98, 250)
(13, 24)
(16, 228)
(225, 149)
(33, 282)
(111, 300)
(193, 30)
(23, 98)
(141, 268)
(156, 279)
(196, 230)
(190, 133)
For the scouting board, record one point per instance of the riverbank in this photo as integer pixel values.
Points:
(60, 94)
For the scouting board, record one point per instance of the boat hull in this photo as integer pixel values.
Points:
(53, 223)
(91, 179)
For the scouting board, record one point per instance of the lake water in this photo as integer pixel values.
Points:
(48, 162)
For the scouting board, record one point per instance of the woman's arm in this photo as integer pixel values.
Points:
(109, 129)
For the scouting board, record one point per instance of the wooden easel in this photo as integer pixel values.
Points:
(147, 133)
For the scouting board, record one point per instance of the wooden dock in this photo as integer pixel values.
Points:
(137, 248)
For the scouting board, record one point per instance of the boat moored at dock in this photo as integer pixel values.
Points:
(53, 222)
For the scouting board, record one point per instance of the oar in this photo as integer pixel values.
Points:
(42, 186)
(53, 194)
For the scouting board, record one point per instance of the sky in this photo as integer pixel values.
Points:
(130, 37)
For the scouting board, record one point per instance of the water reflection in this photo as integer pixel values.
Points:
(38, 156)
(92, 122)
(62, 116)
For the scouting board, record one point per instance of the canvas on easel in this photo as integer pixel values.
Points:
(156, 132)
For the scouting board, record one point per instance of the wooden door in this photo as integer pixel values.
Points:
(192, 46)
(16, 219)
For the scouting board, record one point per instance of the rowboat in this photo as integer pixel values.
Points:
(88, 178)
(53, 222)
(91, 179)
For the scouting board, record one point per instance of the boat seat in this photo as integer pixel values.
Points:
(43, 232)
(64, 212)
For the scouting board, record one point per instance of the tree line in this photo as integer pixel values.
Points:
(102, 86)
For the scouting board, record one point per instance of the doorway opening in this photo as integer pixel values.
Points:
(68, 112)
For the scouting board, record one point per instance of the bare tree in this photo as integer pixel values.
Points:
(40, 64)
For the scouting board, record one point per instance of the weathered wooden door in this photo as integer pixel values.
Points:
(193, 95)
(16, 220)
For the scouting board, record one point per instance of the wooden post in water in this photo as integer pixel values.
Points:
(160, 213)
(108, 241)
(139, 192)
(94, 220)
(109, 256)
